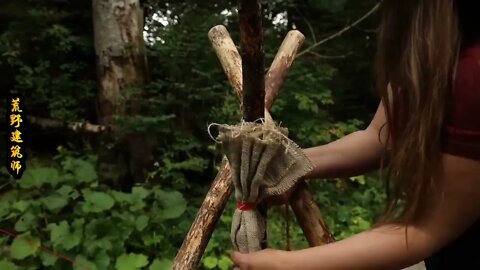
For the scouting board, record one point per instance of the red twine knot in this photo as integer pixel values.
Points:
(245, 206)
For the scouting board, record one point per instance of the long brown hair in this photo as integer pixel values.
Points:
(417, 48)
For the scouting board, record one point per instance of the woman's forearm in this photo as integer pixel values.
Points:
(382, 248)
(354, 154)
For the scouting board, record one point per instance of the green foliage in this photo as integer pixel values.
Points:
(131, 262)
(5, 265)
(86, 220)
(23, 246)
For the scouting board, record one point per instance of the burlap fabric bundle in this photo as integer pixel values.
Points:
(264, 162)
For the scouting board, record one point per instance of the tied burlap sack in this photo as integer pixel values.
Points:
(264, 162)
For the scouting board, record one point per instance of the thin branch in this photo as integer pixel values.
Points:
(6, 184)
(47, 123)
(366, 30)
(330, 56)
(339, 33)
(310, 28)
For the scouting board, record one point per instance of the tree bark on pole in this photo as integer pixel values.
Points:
(309, 217)
(122, 70)
(253, 53)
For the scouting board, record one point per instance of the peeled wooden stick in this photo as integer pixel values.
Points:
(196, 241)
(281, 65)
(228, 55)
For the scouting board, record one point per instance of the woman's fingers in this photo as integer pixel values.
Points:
(238, 260)
(266, 259)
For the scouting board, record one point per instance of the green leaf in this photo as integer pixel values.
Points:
(65, 190)
(84, 171)
(65, 236)
(24, 246)
(131, 261)
(210, 262)
(48, 259)
(82, 263)
(173, 204)
(68, 191)
(141, 222)
(102, 260)
(121, 197)
(80, 169)
(26, 222)
(163, 264)
(37, 177)
(21, 205)
(152, 238)
(225, 263)
(8, 200)
(4, 265)
(97, 202)
(98, 244)
(140, 192)
(54, 202)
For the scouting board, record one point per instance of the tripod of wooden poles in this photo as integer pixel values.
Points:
(257, 93)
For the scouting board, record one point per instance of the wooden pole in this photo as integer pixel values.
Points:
(252, 53)
(310, 217)
(253, 74)
(281, 65)
(229, 57)
(201, 230)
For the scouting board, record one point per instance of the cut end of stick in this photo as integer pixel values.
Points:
(218, 29)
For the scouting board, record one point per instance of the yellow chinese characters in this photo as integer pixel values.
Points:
(16, 105)
(15, 119)
(15, 151)
(15, 166)
(16, 158)
(16, 136)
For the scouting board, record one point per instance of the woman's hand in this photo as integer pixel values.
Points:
(265, 260)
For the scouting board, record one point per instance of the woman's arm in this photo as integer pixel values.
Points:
(354, 154)
(450, 209)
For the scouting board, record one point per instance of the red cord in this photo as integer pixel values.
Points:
(245, 206)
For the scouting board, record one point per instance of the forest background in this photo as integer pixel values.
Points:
(125, 199)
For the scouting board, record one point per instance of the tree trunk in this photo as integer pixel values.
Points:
(122, 71)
